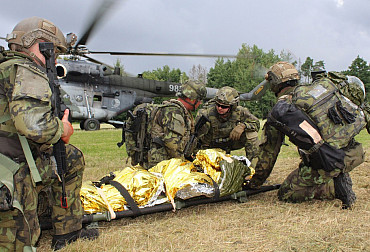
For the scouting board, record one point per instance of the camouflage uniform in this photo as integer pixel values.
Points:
(25, 96)
(231, 126)
(170, 131)
(304, 183)
(215, 134)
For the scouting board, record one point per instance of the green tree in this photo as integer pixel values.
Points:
(306, 68)
(319, 64)
(121, 67)
(198, 73)
(166, 74)
(244, 73)
(361, 69)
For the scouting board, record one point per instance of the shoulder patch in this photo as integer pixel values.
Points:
(31, 82)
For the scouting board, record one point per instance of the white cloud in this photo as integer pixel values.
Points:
(328, 30)
(340, 3)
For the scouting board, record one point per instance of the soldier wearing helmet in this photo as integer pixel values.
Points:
(312, 180)
(230, 126)
(28, 129)
(317, 73)
(172, 123)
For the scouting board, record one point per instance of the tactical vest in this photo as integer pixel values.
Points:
(337, 118)
(320, 121)
(220, 130)
(14, 148)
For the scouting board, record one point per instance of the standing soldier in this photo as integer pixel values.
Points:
(230, 126)
(323, 129)
(28, 129)
(173, 123)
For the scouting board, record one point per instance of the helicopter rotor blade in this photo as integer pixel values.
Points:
(101, 11)
(167, 54)
(96, 61)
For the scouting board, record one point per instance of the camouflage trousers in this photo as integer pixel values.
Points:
(19, 230)
(306, 183)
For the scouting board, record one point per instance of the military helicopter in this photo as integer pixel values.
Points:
(96, 92)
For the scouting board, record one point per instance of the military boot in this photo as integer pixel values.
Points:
(343, 190)
(60, 241)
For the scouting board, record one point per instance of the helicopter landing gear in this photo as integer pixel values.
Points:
(91, 124)
(82, 125)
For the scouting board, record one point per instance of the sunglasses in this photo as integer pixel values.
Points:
(222, 106)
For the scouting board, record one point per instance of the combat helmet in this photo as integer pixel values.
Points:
(194, 90)
(355, 90)
(282, 72)
(227, 96)
(317, 72)
(27, 31)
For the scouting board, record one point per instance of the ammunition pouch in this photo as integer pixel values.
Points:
(7, 170)
(5, 199)
(13, 151)
(354, 156)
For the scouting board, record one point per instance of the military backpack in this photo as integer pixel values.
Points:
(321, 120)
(135, 130)
(329, 106)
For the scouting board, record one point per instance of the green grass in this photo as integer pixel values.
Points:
(261, 224)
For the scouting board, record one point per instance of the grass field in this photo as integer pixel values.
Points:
(261, 224)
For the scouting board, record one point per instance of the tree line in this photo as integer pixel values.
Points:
(249, 69)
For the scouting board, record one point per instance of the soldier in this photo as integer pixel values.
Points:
(230, 126)
(28, 129)
(314, 179)
(173, 123)
(317, 73)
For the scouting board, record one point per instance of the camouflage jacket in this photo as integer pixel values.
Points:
(270, 144)
(272, 140)
(220, 128)
(25, 95)
(171, 128)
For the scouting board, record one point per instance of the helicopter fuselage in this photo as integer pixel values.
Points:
(93, 91)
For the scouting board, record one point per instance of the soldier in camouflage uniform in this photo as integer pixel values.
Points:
(305, 183)
(27, 122)
(173, 123)
(231, 126)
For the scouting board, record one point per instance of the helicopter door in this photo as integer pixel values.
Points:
(97, 101)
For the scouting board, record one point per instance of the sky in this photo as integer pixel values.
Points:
(335, 31)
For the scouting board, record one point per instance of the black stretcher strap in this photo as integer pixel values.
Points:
(130, 201)
(217, 189)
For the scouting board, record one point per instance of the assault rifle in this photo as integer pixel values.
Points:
(59, 148)
(191, 144)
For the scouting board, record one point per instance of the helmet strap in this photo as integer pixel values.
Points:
(290, 83)
(191, 104)
(33, 56)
